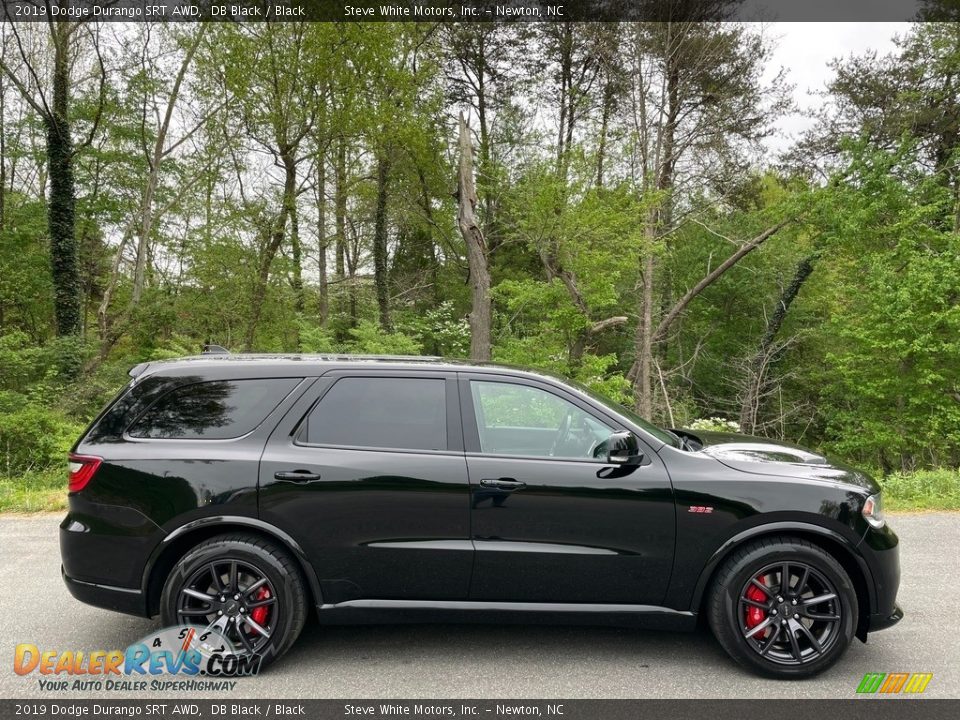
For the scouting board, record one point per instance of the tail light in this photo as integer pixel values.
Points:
(82, 470)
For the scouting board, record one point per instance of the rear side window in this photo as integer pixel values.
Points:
(214, 410)
(396, 413)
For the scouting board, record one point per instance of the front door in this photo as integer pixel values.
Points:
(550, 521)
(367, 473)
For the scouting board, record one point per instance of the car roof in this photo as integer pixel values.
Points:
(223, 365)
(290, 363)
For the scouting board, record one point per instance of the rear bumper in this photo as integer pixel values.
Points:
(103, 550)
(125, 600)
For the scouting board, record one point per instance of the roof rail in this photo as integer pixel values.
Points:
(209, 349)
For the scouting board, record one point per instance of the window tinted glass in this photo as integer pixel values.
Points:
(524, 420)
(214, 410)
(404, 413)
(663, 435)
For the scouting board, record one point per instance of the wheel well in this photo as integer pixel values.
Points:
(180, 546)
(839, 553)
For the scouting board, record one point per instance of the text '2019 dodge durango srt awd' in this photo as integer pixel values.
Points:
(238, 492)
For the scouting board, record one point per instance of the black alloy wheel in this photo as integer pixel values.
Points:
(234, 598)
(783, 607)
(791, 613)
(245, 588)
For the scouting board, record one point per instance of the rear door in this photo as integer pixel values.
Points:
(367, 472)
(551, 521)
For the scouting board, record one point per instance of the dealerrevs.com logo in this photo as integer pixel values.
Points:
(893, 683)
(185, 652)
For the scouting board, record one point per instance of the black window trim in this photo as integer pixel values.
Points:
(451, 394)
(176, 387)
(471, 431)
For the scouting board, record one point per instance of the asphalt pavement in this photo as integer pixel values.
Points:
(478, 661)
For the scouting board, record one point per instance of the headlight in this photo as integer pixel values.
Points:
(873, 511)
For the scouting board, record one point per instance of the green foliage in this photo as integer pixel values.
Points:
(21, 362)
(714, 424)
(44, 491)
(439, 331)
(365, 339)
(892, 347)
(26, 295)
(937, 489)
(35, 438)
(866, 363)
(368, 339)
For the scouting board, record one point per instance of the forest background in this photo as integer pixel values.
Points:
(596, 200)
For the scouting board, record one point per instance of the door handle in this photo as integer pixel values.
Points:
(503, 483)
(296, 476)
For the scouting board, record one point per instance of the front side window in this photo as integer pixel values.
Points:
(214, 410)
(382, 412)
(517, 419)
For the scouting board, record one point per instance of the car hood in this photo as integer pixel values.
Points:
(762, 456)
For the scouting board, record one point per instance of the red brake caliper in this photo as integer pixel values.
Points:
(259, 615)
(755, 615)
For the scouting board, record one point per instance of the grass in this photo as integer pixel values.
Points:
(46, 491)
(42, 491)
(922, 490)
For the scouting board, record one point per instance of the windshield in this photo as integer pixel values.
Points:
(665, 435)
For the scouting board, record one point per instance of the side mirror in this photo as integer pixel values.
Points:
(623, 449)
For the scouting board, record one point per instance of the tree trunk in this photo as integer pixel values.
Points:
(657, 223)
(756, 379)
(381, 277)
(483, 152)
(643, 394)
(481, 313)
(430, 246)
(606, 112)
(665, 180)
(322, 239)
(582, 341)
(154, 160)
(565, 130)
(60, 213)
(272, 245)
(3, 155)
(143, 240)
(648, 339)
(3, 170)
(297, 251)
(340, 219)
(712, 276)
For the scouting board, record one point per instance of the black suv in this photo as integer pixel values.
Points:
(238, 492)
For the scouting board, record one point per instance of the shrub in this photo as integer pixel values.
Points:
(922, 489)
(714, 424)
(365, 339)
(34, 438)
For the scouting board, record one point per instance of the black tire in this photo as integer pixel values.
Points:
(798, 639)
(253, 557)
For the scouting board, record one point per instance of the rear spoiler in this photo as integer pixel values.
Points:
(138, 370)
(208, 349)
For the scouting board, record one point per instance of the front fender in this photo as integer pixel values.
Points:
(833, 541)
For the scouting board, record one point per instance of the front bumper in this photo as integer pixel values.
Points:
(881, 549)
(881, 621)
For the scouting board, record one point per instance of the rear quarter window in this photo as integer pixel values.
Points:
(381, 412)
(212, 410)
